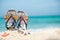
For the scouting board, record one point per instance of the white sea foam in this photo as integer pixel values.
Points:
(41, 30)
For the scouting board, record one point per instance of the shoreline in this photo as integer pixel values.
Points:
(36, 30)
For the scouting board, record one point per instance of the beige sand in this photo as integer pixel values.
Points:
(48, 34)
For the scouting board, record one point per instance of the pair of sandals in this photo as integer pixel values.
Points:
(16, 17)
(12, 14)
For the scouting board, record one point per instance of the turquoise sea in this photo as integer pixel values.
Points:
(37, 22)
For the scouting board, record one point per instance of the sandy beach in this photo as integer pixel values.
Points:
(46, 34)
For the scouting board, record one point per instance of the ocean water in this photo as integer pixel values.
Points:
(44, 22)
(37, 22)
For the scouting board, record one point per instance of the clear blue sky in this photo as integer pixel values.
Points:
(32, 7)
